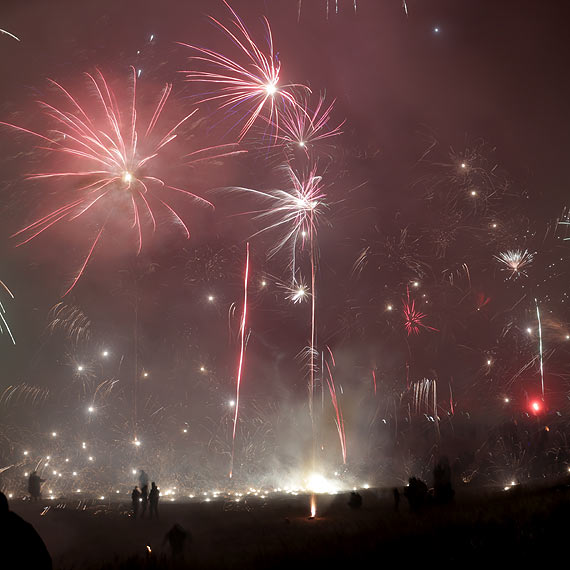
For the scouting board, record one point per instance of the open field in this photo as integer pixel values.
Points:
(521, 525)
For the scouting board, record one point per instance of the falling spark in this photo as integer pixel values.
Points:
(107, 167)
(3, 322)
(253, 84)
(241, 354)
(515, 261)
(374, 380)
(540, 347)
(339, 420)
(7, 33)
(313, 506)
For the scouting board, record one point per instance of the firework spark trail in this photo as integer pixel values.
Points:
(7, 33)
(540, 347)
(241, 355)
(254, 84)
(3, 322)
(515, 261)
(374, 380)
(108, 169)
(339, 420)
(413, 319)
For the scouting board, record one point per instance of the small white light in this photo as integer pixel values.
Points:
(54, 434)
(270, 89)
(91, 409)
(25, 453)
(389, 308)
(90, 458)
(74, 473)
(507, 400)
(80, 368)
(105, 353)
(202, 369)
(232, 403)
(473, 193)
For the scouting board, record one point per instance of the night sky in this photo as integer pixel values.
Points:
(454, 81)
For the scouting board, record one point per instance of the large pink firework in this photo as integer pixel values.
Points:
(252, 85)
(413, 319)
(113, 173)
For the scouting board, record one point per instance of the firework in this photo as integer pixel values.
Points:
(252, 85)
(302, 127)
(516, 261)
(111, 168)
(241, 354)
(413, 319)
(4, 327)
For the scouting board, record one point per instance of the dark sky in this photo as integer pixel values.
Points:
(495, 71)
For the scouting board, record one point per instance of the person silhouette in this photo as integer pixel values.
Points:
(35, 486)
(143, 479)
(144, 500)
(20, 544)
(176, 538)
(136, 500)
(153, 499)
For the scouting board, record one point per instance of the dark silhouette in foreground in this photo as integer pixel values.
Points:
(355, 501)
(153, 500)
(442, 489)
(416, 492)
(176, 538)
(35, 486)
(136, 500)
(143, 479)
(20, 545)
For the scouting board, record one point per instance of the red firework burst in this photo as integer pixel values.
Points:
(113, 170)
(413, 319)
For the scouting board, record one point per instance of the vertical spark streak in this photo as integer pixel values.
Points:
(313, 322)
(3, 320)
(540, 347)
(339, 419)
(241, 354)
(374, 380)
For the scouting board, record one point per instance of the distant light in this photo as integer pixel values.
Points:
(232, 403)
(105, 353)
(74, 473)
(493, 226)
(202, 369)
(151, 38)
(507, 400)
(78, 491)
(463, 165)
(91, 409)
(211, 298)
(54, 472)
(145, 374)
(134, 471)
(90, 458)
(84, 445)
(436, 30)
(473, 193)
(185, 430)
(54, 434)
(139, 71)
(101, 498)
(26, 474)
(263, 283)
(389, 308)
(568, 337)
(416, 284)
(10, 495)
(304, 233)
(137, 442)
(25, 453)
(80, 368)
(67, 459)
(529, 330)
(535, 406)
(488, 363)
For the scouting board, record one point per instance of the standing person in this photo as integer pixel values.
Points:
(35, 485)
(176, 538)
(144, 499)
(153, 499)
(135, 497)
(143, 479)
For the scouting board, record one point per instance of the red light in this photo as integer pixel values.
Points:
(536, 407)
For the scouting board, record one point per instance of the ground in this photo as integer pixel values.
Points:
(521, 525)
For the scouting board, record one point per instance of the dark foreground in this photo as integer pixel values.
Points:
(516, 526)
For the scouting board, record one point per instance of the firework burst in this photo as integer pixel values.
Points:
(515, 261)
(111, 169)
(252, 84)
(413, 319)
